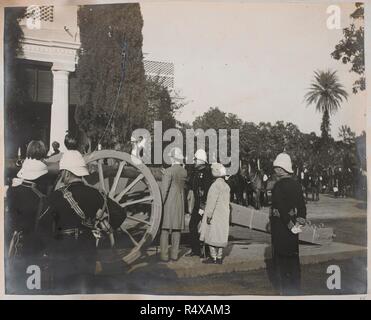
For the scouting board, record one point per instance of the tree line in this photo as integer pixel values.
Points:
(263, 141)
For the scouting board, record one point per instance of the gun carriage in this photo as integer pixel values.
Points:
(130, 183)
(135, 187)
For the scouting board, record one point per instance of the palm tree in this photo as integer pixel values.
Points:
(327, 93)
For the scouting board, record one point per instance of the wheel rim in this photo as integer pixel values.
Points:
(131, 184)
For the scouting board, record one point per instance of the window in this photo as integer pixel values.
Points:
(40, 85)
(160, 71)
(43, 13)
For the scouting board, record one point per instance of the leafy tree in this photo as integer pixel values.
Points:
(327, 93)
(265, 140)
(351, 48)
(111, 50)
(216, 119)
(347, 135)
(249, 134)
(271, 142)
(161, 105)
(360, 143)
(348, 146)
(213, 118)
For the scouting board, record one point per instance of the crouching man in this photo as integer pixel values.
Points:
(72, 225)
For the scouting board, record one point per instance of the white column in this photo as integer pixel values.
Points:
(59, 111)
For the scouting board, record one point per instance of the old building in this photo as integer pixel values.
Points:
(50, 56)
(51, 41)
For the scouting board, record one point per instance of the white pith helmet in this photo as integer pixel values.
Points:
(32, 169)
(201, 155)
(176, 153)
(73, 161)
(218, 170)
(283, 161)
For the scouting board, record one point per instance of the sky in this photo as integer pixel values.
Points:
(254, 60)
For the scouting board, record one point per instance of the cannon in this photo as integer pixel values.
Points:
(134, 186)
(131, 184)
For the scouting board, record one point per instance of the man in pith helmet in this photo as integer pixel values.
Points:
(72, 224)
(287, 218)
(172, 188)
(200, 179)
(25, 200)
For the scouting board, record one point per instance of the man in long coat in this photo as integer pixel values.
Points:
(288, 214)
(215, 221)
(172, 189)
(199, 182)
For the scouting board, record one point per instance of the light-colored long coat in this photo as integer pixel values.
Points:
(172, 190)
(217, 208)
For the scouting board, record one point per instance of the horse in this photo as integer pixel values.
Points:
(237, 184)
(267, 189)
(254, 188)
(249, 188)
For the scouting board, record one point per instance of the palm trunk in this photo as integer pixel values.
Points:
(325, 125)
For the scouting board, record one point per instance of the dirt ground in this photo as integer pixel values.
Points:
(346, 216)
(314, 278)
(350, 227)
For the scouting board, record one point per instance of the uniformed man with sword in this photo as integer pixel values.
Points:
(76, 216)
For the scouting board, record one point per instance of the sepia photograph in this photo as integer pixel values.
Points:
(184, 148)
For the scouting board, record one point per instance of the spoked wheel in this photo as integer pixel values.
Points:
(131, 184)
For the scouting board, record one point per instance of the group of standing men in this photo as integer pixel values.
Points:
(208, 193)
(207, 200)
(338, 181)
(66, 224)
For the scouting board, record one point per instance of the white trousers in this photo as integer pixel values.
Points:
(216, 252)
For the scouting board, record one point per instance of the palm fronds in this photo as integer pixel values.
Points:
(326, 92)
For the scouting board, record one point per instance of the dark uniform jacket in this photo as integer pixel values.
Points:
(287, 198)
(199, 181)
(24, 202)
(58, 221)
